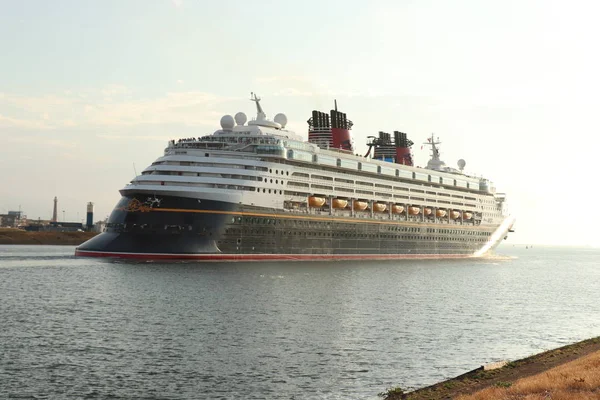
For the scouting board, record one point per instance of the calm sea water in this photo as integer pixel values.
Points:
(86, 328)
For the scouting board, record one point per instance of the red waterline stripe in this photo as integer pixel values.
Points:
(265, 257)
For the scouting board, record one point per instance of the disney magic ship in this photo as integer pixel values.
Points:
(255, 191)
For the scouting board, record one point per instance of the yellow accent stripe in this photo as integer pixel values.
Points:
(313, 218)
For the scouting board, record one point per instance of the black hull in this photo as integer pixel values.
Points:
(211, 230)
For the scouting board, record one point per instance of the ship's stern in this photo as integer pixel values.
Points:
(169, 227)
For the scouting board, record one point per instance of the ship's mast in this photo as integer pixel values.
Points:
(260, 114)
(435, 153)
(435, 162)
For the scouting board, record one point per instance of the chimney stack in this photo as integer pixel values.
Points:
(55, 212)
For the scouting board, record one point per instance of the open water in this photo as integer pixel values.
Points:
(87, 328)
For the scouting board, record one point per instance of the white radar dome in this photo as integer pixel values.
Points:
(227, 122)
(461, 164)
(281, 119)
(240, 118)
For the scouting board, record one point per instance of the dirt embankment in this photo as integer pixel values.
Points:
(18, 236)
(478, 379)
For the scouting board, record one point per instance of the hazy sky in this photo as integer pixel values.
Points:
(90, 88)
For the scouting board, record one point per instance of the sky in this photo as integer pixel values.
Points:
(91, 91)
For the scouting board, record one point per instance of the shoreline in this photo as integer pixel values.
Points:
(21, 237)
(479, 378)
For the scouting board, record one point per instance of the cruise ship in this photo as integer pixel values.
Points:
(254, 191)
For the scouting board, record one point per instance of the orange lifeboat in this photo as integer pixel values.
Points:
(467, 215)
(412, 210)
(360, 205)
(427, 211)
(379, 207)
(396, 209)
(339, 203)
(316, 202)
(440, 213)
(454, 214)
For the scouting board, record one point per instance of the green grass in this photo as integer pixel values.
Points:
(395, 391)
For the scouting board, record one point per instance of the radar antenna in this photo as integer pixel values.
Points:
(260, 114)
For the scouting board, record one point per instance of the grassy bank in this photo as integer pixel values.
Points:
(578, 379)
(18, 236)
(569, 372)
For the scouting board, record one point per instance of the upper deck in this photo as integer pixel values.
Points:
(310, 155)
(269, 140)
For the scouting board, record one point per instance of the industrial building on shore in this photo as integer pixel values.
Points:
(13, 219)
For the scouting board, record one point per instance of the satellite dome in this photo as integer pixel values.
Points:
(461, 164)
(281, 119)
(240, 118)
(227, 122)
